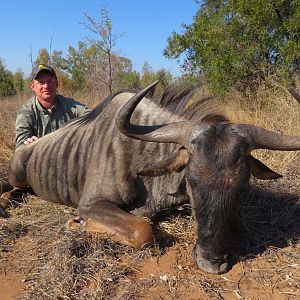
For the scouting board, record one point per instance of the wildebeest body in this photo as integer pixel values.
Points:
(140, 158)
(92, 158)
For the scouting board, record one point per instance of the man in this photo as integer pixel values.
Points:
(46, 111)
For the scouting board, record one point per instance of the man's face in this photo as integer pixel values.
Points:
(44, 86)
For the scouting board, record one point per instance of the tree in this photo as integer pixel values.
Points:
(235, 43)
(76, 66)
(18, 79)
(60, 64)
(149, 76)
(104, 35)
(6, 82)
(130, 80)
(92, 66)
(83, 69)
(43, 57)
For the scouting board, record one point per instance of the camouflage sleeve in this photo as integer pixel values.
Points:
(81, 109)
(23, 128)
(72, 107)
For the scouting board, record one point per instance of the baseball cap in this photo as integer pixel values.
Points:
(42, 67)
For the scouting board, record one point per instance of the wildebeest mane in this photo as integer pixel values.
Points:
(186, 100)
(175, 96)
(183, 99)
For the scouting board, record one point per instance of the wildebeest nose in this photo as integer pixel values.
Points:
(212, 266)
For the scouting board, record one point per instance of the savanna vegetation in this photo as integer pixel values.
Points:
(246, 56)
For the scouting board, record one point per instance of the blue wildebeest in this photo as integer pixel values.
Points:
(127, 160)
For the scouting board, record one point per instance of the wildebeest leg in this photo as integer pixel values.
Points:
(17, 167)
(14, 196)
(106, 217)
(6, 199)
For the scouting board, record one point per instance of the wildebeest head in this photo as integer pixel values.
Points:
(217, 159)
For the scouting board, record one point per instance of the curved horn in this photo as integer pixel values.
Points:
(166, 133)
(260, 138)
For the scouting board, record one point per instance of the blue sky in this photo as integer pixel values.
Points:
(144, 26)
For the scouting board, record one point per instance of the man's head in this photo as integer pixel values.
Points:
(42, 68)
(44, 84)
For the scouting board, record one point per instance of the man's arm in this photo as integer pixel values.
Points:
(23, 129)
(81, 109)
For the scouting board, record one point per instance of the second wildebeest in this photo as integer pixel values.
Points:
(127, 160)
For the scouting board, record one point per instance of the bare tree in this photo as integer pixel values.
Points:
(103, 29)
(50, 49)
(30, 56)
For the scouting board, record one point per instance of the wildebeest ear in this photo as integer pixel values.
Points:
(260, 170)
(173, 163)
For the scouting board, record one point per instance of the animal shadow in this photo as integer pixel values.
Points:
(162, 238)
(267, 219)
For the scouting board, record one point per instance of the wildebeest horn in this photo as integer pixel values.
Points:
(166, 133)
(260, 138)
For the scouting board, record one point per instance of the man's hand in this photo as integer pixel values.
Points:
(31, 140)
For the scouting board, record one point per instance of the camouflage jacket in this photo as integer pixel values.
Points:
(33, 119)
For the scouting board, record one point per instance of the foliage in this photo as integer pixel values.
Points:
(150, 76)
(6, 82)
(84, 70)
(43, 57)
(234, 43)
(129, 80)
(77, 61)
(18, 79)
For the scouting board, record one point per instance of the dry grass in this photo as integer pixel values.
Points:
(57, 264)
(7, 122)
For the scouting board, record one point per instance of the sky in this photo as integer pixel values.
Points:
(144, 27)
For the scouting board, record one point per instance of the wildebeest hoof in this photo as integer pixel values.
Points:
(74, 223)
(212, 266)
